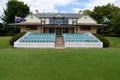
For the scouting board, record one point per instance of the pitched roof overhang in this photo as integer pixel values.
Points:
(25, 24)
(39, 24)
(92, 24)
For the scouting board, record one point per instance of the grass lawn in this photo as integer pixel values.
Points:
(4, 42)
(65, 64)
(114, 42)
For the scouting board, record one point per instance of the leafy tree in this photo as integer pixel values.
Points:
(116, 24)
(2, 30)
(108, 11)
(89, 12)
(104, 15)
(14, 8)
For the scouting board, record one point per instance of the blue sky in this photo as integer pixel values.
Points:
(66, 6)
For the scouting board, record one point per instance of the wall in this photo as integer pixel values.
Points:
(47, 21)
(70, 29)
(93, 30)
(69, 21)
(32, 18)
(23, 29)
(86, 19)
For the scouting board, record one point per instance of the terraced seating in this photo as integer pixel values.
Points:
(36, 40)
(36, 37)
(47, 40)
(81, 40)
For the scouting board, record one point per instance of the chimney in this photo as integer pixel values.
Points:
(80, 12)
(36, 11)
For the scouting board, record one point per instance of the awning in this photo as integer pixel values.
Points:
(39, 24)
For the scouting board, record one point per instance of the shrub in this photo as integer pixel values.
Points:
(16, 37)
(103, 39)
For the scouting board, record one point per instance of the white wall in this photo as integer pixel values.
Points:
(86, 19)
(69, 21)
(32, 18)
(47, 21)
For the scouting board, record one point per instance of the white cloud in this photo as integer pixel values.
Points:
(41, 5)
(2, 6)
(50, 5)
(92, 3)
(47, 6)
(76, 10)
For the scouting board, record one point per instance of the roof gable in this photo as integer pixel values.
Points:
(86, 19)
(32, 18)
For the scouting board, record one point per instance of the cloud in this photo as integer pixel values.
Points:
(92, 3)
(63, 5)
(47, 6)
(76, 10)
(2, 6)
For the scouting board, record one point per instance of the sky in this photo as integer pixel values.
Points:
(61, 6)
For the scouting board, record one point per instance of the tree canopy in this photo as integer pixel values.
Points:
(116, 24)
(108, 11)
(107, 14)
(2, 30)
(14, 8)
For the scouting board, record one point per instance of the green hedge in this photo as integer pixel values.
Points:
(106, 43)
(16, 37)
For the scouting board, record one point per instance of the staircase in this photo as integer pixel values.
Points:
(59, 44)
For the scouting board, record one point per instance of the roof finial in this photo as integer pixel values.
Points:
(80, 12)
(36, 11)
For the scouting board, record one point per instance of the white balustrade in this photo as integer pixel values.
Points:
(84, 44)
(33, 45)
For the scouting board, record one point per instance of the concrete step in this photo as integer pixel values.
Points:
(59, 41)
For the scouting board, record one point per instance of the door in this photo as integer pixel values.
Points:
(52, 30)
(58, 31)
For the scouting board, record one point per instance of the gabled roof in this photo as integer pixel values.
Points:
(32, 18)
(67, 15)
(85, 18)
(89, 17)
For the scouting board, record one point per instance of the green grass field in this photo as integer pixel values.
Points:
(114, 42)
(64, 64)
(4, 42)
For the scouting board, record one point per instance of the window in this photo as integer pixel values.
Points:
(86, 28)
(31, 27)
(59, 21)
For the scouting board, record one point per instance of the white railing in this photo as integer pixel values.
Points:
(84, 44)
(34, 45)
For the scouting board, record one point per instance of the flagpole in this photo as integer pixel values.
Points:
(16, 26)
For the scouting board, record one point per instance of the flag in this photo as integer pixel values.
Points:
(19, 19)
(106, 20)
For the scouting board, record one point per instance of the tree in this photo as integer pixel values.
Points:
(104, 15)
(107, 11)
(89, 12)
(2, 30)
(116, 24)
(14, 8)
